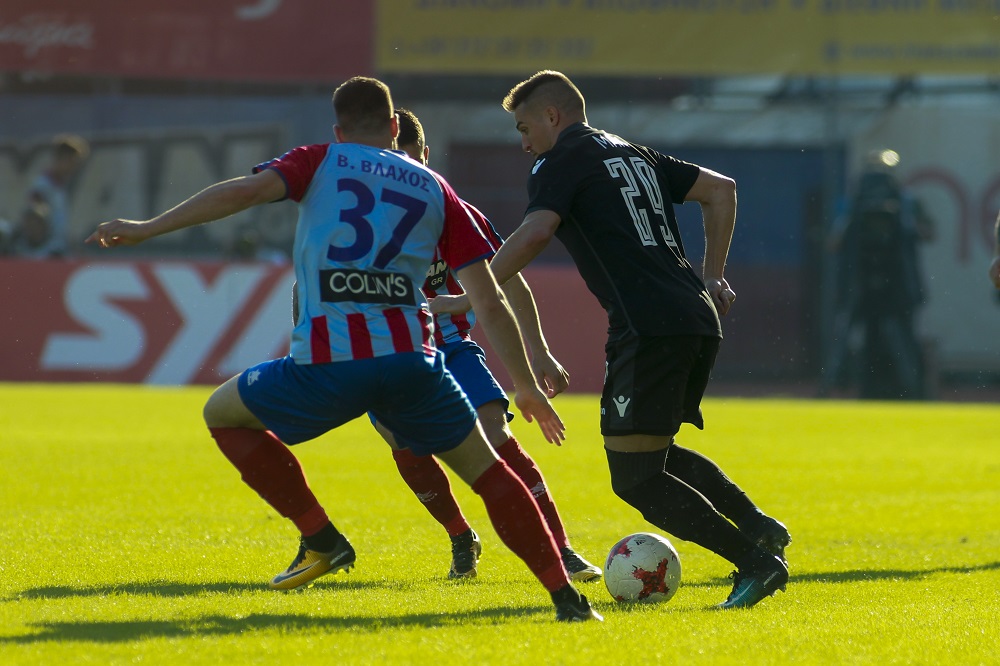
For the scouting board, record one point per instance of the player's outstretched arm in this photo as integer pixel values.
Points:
(213, 203)
(551, 375)
(496, 319)
(717, 195)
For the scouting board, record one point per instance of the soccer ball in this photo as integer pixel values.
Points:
(642, 568)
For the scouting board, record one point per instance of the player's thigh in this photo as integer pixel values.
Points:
(471, 457)
(493, 417)
(654, 384)
(385, 433)
(301, 402)
(225, 408)
(423, 406)
(466, 361)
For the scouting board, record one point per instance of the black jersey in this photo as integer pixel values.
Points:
(615, 199)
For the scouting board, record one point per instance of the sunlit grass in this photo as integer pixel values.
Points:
(127, 537)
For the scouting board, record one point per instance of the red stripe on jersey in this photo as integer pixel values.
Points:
(398, 329)
(361, 339)
(424, 318)
(319, 340)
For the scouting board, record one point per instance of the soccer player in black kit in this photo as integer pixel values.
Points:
(611, 204)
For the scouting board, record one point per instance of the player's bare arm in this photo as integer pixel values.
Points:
(527, 241)
(496, 319)
(717, 195)
(213, 203)
(551, 375)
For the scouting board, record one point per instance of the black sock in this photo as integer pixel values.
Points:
(323, 541)
(708, 479)
(673, 505)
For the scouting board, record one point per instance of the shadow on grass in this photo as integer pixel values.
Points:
(172, 589)
(220, 625)
(864, 574)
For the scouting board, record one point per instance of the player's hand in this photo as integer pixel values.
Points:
(450, 304)
(534, 406)
(722, 295)
(552, 377)
(119, 232)
(995, 272)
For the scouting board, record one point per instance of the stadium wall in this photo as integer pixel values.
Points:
(791, 165)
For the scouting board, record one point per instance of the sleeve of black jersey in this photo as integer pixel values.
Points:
(547, 192)
(680, 175)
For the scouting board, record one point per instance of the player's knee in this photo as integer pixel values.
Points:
(493, 417)
(631, 470)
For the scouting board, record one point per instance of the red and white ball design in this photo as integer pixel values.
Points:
(642, 568)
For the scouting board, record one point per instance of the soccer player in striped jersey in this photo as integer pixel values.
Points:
(467, 362)
(370, 220)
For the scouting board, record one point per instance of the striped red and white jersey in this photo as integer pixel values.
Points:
(370, 222)
(441, 279)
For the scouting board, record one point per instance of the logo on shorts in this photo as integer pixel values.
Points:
(252, 376)
(621, 402)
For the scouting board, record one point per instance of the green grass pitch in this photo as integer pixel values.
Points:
(127, 538)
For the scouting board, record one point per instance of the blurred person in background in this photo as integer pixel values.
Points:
(879, 286)
(51, 188)
(995, 264)
(32, 233)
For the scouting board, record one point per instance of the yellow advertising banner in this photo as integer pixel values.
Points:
(689, 37)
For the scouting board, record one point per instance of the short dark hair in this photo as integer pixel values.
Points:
(70, 145)
(553, 87)
(363, 105)
(410, 129)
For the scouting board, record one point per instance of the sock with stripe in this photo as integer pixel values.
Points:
(269, 468)
(519, 524)
(429, 482)
(524, 466)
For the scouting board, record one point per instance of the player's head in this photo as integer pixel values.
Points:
(411, 136)
(68, 154)
(363, 106)
(544, 105)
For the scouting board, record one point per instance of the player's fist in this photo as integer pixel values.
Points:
(119, 232)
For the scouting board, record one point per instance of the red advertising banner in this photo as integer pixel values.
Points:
(227, 40)
(158, 322)
(187, 322)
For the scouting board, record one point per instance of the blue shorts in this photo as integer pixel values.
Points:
(466, 361)
(413, 394)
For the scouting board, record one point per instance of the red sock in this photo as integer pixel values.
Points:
(430, 484)
(519, 524)
(526, 469)
(268, 467)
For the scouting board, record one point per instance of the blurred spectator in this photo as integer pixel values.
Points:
(879, 287)
(29, 236)
(249, 245)
(51, 189)
(995, 264)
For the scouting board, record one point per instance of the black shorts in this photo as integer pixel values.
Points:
(653, 384)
